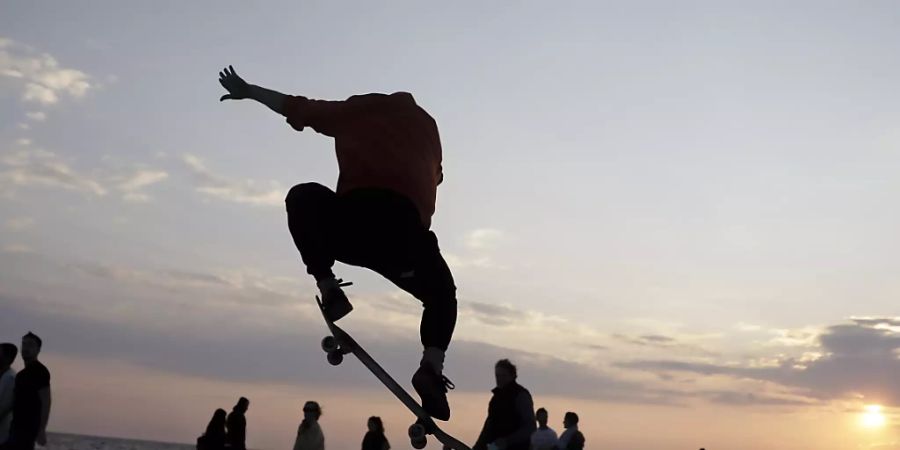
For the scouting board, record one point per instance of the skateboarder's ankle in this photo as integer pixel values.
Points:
(433, 357)
(327, 283)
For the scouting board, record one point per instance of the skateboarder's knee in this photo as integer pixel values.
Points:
(306, 193)
(445, 299)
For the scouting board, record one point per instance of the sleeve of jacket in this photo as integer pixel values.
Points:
(334, 117)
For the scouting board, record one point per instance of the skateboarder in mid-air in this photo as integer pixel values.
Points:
(389, 157)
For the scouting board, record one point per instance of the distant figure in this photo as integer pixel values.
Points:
(8, 354)
(510, 420)
(389, 159)
(375, 439)
(571, 439)
(544, 438)
(31, 406)
(214, 438)
(236, 437)
(309, 434)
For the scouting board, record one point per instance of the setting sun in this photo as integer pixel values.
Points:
(872, 418)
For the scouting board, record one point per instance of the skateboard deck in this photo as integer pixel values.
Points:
(341, 343)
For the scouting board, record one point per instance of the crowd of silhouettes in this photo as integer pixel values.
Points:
(226, 430)
(511, 424)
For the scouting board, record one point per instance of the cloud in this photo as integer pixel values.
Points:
(494, 314)
(245, 191)
(33, 167)
(39, 76)
(130, 186)
(19, 223)
(237, 287)
(856, 359)
(17, 248)
(663, 342)
(37, 116)
(285, 348)
(478, 262)
(482, 239)
(36, 167)
(750, 399)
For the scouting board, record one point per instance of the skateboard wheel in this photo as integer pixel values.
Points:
(329, 344)
(418, 444)
(416, 431)
(335, 357)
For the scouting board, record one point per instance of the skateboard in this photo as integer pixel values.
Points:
(339, 343)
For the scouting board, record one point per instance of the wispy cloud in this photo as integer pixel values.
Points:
(37, 116)
(34, 167)
(39, 76)
(855, 359)
(254, 192)
(19, 223)
(17, 249)
(483, 239)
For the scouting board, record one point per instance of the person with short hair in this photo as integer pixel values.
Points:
(236, 435)
(544, 438)
(8, 354)
(510, 420)
(309, 433)
(571, 439)
(31, 405)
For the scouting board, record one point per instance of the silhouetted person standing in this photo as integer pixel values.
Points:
(389, 158)
(309, 433)
(31, 406)
(571, 439)
(236, 438)
(375, 438)
(544, 438)
(214, 438)
(510, 420)
(8, 354)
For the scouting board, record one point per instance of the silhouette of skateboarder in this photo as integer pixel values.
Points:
(389, 158)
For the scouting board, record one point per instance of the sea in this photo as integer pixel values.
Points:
(63, 441)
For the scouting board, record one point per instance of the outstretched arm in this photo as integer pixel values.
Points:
(239, 89)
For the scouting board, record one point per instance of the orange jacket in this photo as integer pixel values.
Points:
(381, 141)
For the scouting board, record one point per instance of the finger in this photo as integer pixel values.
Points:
(222, 75)
(232, 70)
(225, 97)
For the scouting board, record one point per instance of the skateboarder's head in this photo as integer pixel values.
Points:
(570, 419)
(505, 372)
(31, 346)
(541, 416)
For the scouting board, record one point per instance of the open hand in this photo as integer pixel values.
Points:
(235, 85)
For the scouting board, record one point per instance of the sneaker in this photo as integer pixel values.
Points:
(334, 301)
(432, 389)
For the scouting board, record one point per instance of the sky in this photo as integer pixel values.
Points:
(677, 218)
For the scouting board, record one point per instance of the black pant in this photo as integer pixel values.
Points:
(380, 230)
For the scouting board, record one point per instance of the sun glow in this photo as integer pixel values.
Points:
(872, 417)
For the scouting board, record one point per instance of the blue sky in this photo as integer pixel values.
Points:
(668, 214)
